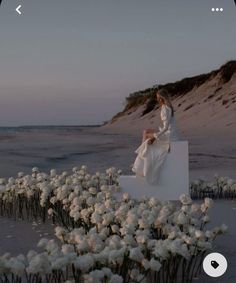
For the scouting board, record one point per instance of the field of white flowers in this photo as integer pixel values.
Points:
(218, 188)
(101, 239)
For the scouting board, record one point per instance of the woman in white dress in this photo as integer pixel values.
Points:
(156, 144)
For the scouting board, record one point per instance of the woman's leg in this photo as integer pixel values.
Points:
(148, 133)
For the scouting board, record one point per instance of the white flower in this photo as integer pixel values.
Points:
(125, 197)
(129, 240)
(132, 218)
(206, 219)
(117, 256)
(204, 245)
(43, 243)
(186, 208)
(31, 254)
(67, 249)
(53, 173)
(75, 169)
(115, 228)
(199, 234)
(35, 170)
(84, 262)
(93, 190)
(230, 182)
(153, 202)
(172, 235)
(145, 264)
(20, 174)
(96, 218)
(185, 199)
(115, 279)
(2, 181)
(182, 219)
(136, 254)
(161, 250)
(53, 200)
(16, 265)
(143, 223)
(52, 246)
(204, 207)
(96, 275)
(209, 234)
(223, 228)
(155, 265)
(134, 274)
(59, 263)
(208, 202)
(50, 211)
(195, 207)
(60, 232)
(188, 240)
(107, 271)
(39, 264)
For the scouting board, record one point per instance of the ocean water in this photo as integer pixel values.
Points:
(62, 148)
(8, 129)
(43, 128)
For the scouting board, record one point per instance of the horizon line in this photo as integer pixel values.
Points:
(50, 125)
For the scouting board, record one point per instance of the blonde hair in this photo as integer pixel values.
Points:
(164, 94)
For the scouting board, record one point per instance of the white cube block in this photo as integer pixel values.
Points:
(174, 177)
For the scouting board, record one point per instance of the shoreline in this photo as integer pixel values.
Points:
(99, 149)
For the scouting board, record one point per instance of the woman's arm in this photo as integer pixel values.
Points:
(165, 116)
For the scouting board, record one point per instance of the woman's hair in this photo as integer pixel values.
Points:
(164, 94)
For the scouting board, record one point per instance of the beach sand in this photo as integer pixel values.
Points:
(17, 237)
(99, 149)
(62, 149)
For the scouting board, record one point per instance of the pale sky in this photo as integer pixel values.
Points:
(73, 62)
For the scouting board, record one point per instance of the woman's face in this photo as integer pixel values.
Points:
(158, 97)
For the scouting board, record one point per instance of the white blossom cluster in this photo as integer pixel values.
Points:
(34, 194)
(103, 239)
(219, 187)
(54, 259)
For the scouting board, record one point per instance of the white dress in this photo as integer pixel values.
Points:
(150, 158)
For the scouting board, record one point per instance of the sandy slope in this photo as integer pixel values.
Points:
(206, 117)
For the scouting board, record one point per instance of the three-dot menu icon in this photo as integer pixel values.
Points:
(217, 9)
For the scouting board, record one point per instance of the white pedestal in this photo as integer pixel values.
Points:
(174, 177)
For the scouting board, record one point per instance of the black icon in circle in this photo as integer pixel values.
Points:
(214, 264)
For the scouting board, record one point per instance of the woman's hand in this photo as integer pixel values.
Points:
(151, 140)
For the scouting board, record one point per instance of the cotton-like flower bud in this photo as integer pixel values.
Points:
(208, 202)
(185, 199)
(116, 279)
(155, 265)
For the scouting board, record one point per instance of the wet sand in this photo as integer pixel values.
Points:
(98, 149)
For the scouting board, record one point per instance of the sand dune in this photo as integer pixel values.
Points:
(206, 117)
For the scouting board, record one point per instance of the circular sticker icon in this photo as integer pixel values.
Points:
(215, 264)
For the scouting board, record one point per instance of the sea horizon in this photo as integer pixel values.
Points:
(44, 127)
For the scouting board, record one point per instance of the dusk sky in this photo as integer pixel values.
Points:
(73, 62)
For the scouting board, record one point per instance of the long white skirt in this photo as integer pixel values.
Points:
(150, 159)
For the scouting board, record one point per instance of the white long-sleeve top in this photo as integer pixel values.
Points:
(168, 130)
